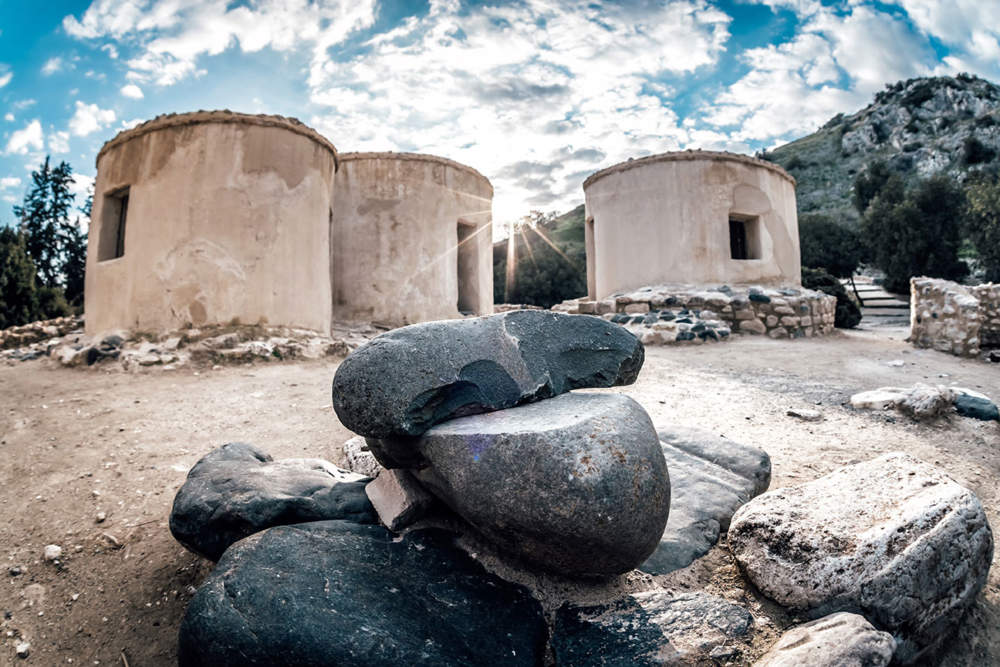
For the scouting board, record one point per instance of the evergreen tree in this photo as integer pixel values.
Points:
(869, 183)
(916, 232)
(18, 299)
(55, 243)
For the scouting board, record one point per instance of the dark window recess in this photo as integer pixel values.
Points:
(467, 256)
(113, 216)
(738, 247)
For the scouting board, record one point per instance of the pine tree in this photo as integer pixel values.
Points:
(55, 243)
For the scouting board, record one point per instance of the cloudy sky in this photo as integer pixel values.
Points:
(536, 94)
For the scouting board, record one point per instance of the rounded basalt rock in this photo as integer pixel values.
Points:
(576, 485)
(405, 381)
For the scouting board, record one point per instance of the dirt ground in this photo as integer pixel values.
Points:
(75, 442)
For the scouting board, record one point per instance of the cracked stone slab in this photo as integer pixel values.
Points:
(405, 381)
(893, 538)
(237, 490)
(576, 484)
(710, 478)
(652, 628)
(838, 640)
(341, 593)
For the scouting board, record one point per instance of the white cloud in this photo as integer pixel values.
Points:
(59, 142)
(28, 138)
(835, 63)
(9, 117)
(132, 90)
(5, 78)
(970, 28)
(9, 182)
(111, 51)
(10, 199)
(52, 65)
(173, 34)
(129, 124)
(535, 95)
(89, 118)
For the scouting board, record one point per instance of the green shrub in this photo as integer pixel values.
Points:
(828, 245)
(18, 297)
(848, 313)
(982, 222)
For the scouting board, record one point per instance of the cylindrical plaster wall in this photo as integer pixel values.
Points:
(226, 217)
(666, 219)
(411, 239)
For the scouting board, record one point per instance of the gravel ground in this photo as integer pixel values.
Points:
(76, 442)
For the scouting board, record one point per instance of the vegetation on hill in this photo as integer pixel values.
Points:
(917, 128)
(551, 260)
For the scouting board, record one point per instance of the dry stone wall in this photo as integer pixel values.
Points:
(954, 318)
(668, 314)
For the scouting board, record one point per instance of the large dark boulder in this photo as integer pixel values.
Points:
(710, 478)
(405, 381)
(237, 490)
(576, 484)
(340, 593)
(652, 628)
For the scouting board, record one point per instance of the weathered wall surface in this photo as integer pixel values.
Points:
(225, 220)
(665, 219)
(395, 255)
(954, 318)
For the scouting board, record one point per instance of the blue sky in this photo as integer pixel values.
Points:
(536, 94)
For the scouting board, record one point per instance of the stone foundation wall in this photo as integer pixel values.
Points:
(954, 318)
(689, 313)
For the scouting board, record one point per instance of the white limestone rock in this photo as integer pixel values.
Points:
(893, 538)
(837, 640)
(360, 459)
(398, 498)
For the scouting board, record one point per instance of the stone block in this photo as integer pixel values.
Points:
(398, 498)
(752, 326)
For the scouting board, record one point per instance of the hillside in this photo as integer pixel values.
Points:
(919, 126)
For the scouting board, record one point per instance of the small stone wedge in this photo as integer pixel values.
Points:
(893, 538)
(710, 478)
(237, 490)
(576, 484)
(340, 593)
(405, 381)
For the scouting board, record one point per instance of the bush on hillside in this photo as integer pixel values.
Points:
(982, 222)
(848, 313)
(829, 245)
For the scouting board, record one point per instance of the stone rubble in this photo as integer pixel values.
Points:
(398, 499)
(893, 538)
(64, 342)
(669, 314)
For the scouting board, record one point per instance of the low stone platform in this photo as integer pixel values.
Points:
(671, 314)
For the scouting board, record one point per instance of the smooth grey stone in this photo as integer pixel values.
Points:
(341, 593)
(237, 490)
(837, 640)
(651, 628)
(976, 407)
(892, 538)
(710, 478)
(576, 484)
(405, 381)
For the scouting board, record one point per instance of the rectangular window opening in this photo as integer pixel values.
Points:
(113, 215)
(744, 238)
(467, 269)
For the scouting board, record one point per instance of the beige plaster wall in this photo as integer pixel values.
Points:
(665, 219)
(393, 255)
(227, 218)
